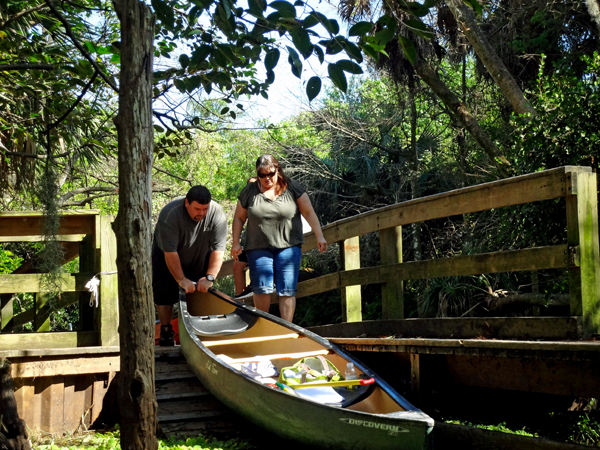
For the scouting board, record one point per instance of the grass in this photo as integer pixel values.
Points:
(111, 441)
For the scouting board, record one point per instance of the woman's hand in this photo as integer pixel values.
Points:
(236, 249)
(322, 244)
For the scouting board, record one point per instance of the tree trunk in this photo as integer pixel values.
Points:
(492, 62)
(593, 7)
(13, 434)
(133, 228)
(462, 114)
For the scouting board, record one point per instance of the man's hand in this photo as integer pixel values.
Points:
(187, 285)
(203, 285)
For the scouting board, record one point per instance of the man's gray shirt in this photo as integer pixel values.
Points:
(193, 241)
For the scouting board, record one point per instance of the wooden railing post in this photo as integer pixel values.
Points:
(351, 297)
(108, 306)
(42, 312)
(583, 252)
(392, 291)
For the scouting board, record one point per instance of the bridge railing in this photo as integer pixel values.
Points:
(86, 234)
(580, 254)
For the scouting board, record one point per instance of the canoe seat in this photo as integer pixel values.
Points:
(223, 324)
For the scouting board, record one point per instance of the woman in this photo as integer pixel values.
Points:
(273, 205)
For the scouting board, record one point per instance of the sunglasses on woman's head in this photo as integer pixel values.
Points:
(265, 175)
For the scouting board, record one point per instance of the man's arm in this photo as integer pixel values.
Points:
(214, 266)
(174, 265)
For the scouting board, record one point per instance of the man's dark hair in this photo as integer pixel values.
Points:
(199, 194)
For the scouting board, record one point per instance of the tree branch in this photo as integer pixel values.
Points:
(80, 47)
(19, 15)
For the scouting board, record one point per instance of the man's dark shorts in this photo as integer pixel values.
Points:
(242, 257)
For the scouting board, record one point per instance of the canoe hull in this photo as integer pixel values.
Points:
(304, 421)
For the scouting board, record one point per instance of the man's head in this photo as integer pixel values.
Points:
(197, 202)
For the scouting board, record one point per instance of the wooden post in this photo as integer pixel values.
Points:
(392, 291)
(6, 312)
(583, 253)
(351, 297)
(87, 263)
(415, 374)
(42, 312)
(108, 306)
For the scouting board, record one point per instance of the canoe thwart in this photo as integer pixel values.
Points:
(228, 360)
(251, 340)
(222, 324)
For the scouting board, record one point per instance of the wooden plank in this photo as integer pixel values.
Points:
(41, 321)
(415, 374)
(60, 238)
(392, 291)
(523, 328)
(533, 187)
(351, 295)
(9, 284)
(52, 404)
(65, 366)
(88, 262)
(317, 285)
(108, 312)
(26, 224)
(583, 239)
(6, 312)
(102, 383)
(66, 351)
(27, 341)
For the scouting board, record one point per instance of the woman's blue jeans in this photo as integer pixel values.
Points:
(275, 269)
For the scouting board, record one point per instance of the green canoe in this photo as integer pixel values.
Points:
(221, 337)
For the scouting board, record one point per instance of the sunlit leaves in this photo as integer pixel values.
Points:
(409, 49)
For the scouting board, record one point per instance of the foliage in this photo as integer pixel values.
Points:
(111, 441)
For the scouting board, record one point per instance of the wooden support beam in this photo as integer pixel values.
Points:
(392, 291)
(6, 313)
(108, 312)
(41, 322)
(415, 374)
(10, 284)
(552, 257)
(351, 296)
(584, 253)
(23, 223)
(31, 341)
(66, 366)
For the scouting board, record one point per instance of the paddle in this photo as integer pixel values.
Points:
(333, 383)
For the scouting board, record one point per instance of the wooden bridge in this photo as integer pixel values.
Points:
(62, 378)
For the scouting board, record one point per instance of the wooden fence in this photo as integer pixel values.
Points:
(61, 378)
(580, 254)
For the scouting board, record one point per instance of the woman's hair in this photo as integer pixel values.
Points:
(267, 163)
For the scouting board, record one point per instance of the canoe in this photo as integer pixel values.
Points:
(221, 337)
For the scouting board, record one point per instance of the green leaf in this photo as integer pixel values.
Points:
(224, 110)
(409, 49)
(310, 21)
(369, 50)
(360, 29)
(257, 7)
(284, 8)
(384, 36)
(338, 77)
(302, 42)
(313, 87)
(319, 52)
(294, 60)
(349, 66)
(475, 5)
(352, 50)
(271, 59)
(332, 26)
(184, 60)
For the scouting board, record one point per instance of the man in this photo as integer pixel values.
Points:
(187, 252)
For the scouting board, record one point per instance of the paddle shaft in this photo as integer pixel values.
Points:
(333, 384)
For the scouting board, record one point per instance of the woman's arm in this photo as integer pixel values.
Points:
(307, 211)
(239, 218)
